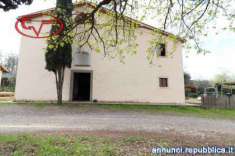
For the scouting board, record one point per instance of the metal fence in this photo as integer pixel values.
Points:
(218, 101)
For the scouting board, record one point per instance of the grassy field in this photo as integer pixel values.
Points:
(27, 145)
(151, 109)
(176, 110)
(95, 145)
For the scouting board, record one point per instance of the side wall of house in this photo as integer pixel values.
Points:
(137, 80)
(33, 81)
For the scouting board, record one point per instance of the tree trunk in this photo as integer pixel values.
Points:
(59, 85)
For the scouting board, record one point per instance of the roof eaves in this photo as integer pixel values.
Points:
(2, 68)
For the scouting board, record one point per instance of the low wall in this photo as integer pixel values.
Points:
(218, 102)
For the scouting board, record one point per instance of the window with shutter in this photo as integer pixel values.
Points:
(163, 82)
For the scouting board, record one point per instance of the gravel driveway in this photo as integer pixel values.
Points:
(17, 118)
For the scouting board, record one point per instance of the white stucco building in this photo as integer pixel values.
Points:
(95, 77)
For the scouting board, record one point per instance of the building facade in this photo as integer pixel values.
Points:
(94, 77)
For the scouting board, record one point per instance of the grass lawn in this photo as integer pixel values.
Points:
(95, 145)
(27, 145)
(175, 110)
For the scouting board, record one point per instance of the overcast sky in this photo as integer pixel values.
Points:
(222, 46)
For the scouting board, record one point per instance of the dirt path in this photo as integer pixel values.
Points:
(15, 118)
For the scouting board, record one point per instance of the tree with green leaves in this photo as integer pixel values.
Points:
(187, 79)
(223, 78)
(190, 19)
(11, 62)
(59, 50)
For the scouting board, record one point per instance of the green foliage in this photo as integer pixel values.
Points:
(202, 84)
(187, 78)
(61, 57)
(108, 39)
(11, 62)
(8, 84)
(59, 49)
(192, 95)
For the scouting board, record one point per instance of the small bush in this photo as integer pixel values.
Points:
(8, 85)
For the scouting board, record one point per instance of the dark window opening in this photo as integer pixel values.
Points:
(162, 48)
(163, 82)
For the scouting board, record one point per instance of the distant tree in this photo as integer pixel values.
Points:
(190, 88)
(201, 85)
(1, 58)
(11, 62)
(13, 4)
(223, 78)
(187, 78)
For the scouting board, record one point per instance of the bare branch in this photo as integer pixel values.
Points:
(168, 12)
